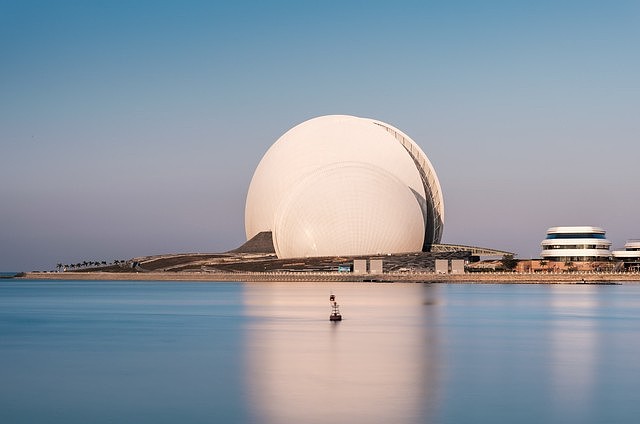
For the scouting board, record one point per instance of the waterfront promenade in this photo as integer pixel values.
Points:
(486, 278)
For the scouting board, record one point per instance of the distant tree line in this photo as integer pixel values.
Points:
(89, 264)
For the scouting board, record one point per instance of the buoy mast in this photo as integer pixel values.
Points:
(335, 310)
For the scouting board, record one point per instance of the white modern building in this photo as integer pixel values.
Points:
(630, 255)
(342, 185)
(575, 244)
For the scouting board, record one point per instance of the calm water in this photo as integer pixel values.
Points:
(158, 352)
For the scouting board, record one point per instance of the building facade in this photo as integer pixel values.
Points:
(576, 244)
(630, 256)
(341, 185)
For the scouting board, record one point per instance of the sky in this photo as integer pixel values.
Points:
(132, 128)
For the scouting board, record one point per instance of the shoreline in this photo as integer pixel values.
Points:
(467, 278)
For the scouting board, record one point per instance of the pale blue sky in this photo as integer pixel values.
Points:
(130, 128)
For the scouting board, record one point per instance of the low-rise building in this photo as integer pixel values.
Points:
(576, 244)
(630, 256)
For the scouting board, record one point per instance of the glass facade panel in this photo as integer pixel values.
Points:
(574, 246)
(575, 236)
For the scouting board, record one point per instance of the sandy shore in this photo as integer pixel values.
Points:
(488, 278)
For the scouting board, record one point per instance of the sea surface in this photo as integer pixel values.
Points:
(165, 352)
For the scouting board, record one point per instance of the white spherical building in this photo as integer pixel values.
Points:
(345, 186)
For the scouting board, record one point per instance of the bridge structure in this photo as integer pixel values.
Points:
(474, 250)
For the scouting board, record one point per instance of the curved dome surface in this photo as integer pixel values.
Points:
(377, 214)
(323, 142)
(434, 210)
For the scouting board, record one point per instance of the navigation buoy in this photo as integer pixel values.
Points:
(335, 310)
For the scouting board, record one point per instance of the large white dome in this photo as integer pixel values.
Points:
(342, 185)
(377, 213)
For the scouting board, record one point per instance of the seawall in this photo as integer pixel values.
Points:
(487, 278)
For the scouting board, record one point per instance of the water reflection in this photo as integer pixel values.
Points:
(379, 365)
(77, 352)
(574, 348)
(412, 353)
(532, 354)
